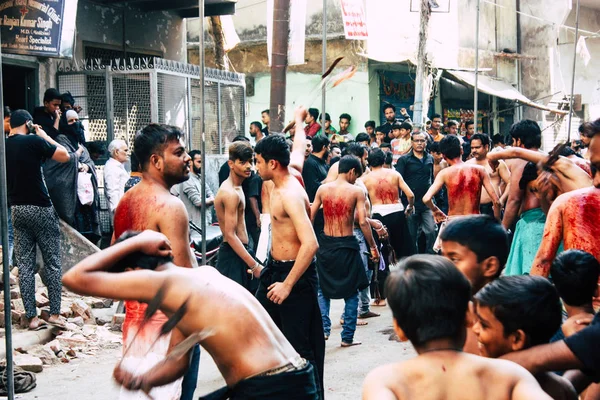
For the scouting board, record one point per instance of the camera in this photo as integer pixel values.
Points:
(30, 127)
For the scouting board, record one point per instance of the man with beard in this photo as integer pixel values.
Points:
(235, 257)
(436, 128)
(256, 131)
(389, 110)
(288, 283)
(150, 205)
(480, 147)
(190, 192)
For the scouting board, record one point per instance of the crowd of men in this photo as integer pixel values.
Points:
(321, 215)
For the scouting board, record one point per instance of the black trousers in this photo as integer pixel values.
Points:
(299, 316)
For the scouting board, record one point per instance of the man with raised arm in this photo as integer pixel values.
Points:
(463, 182)
(288, 284)
(339, 264)
(251, 353)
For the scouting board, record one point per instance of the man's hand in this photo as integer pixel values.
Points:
(40, 132)
(129, 381)
(256, 270)
(409, 210)
(57, 113)
(278, 292)
(153, 243)
(375, 255)
(403, 111)
(300, 113)
(77, 109)
(493, 163)
(258, 223)
(439, 216)
(576, 323)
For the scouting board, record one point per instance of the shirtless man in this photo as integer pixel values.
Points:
(288, 284)
(441, 370)
(353, 149)
(525, 134)
(238, 333)
(149, 205)
(339, 263)
(573, 218)
(480, 147)
(235, 257)
(463, 181)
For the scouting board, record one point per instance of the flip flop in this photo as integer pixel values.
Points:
(369, 314)
(354, 343)
(58, 324)
(41, 325)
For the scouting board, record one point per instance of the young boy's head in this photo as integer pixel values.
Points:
(515, 313)
(575, 276)
(434, 149)
(379, 135)
(138, 260)
(478, 246)
(405, 129)
(429, 299)
(396, 130)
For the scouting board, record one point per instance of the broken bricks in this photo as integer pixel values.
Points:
(81, 309)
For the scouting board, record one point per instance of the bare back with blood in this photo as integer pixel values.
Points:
(338, 210)
(382, 185)
(464, 183)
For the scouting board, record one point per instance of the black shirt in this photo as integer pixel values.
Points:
(314, 172)
(387, 128)
(584, 344)
(24, 157)
(265, 130)
(45, 120)
(418, 175)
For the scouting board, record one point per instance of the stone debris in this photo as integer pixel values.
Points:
(28, 362)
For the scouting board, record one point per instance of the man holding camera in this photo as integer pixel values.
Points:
(35, 222)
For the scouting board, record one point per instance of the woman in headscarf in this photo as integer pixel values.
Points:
(61, 180)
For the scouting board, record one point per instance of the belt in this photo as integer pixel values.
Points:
(295, 364)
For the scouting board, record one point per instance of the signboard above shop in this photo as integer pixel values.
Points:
(38, 28)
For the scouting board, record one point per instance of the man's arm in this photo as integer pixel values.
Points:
(432, 191)
(174, 224)
(61, 154)
(229, 226)
(365, 227)
(504, 174)
(553, 235)
(406, 190)
(489, 188)
(299, 145)
(89, 276)
(314, 207)
(517, 152)
(515, 196)
(194, 194)
(294, 207)
(546, 357)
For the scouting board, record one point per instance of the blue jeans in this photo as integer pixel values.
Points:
(350, 316)
(11, 239)
(190, 379)
(423, 221)
(363, 295)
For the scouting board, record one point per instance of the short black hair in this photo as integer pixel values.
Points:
(376, 158)
(530, 173)
(590, 128)
(67, 97)
(52, 94)
(135, 164)
(482, 234)
(525, 302)
(469, 122)
(388, 105)
(267, 111)
(396, 125)
(363, 137)
(528, 132)
(313, 112)
(346, 116)
(319, 142)
(575, 275)
(152, 140)
(498, 139)
(436, 116)
(334, 160)
(370, 123)
(429, 297)
(354, 149)
(433, 147)
(348, 163)
(385, 146)
(240, 150)
(379, 129)
(389, 158)
(240, 137)
(194, 153)
(274, 147)
(451, 123)
(138, 259)
(450, 147)
(406, 125)
(7, 111)
(327, 117)
(567, 151)
(483, 138)
(256, 124)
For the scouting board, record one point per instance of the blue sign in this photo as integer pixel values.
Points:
(38, 28)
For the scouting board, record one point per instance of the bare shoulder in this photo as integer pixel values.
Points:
(556, 386)
(388, 376)
(291, 191)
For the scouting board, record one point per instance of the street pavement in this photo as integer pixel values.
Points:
(90, 378)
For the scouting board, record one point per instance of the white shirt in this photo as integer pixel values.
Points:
(115, 177)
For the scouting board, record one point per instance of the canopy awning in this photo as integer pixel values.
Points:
(185, 8)
(499, 88)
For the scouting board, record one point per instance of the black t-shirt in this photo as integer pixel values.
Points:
(24, 157)
(584, 345)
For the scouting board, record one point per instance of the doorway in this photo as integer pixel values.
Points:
(19, 86)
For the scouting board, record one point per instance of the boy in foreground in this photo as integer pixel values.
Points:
(518, 312)
(434, 322)
(250, 351)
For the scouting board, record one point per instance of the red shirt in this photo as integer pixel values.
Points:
(311, 130)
